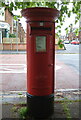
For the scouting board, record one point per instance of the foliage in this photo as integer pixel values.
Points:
(67, 31)
(61, 45)
(76, 31)
(23, 112)
(71, 29)
(67, 110)
(19, 93)
(12, 35)
(62, 6)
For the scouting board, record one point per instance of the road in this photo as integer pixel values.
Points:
(69, 59)
(13, 70)
(72, 59)
(70, 48)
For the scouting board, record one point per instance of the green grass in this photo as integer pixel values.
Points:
(14, 109)
(22, 109)
(67, 100)
(23, 103)
(66, 110)
(23, 112)
(19, 93)
(65, 104)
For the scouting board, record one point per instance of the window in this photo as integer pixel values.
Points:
(2, 14)
(14, 23)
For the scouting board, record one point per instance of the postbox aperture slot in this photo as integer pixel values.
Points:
(40, 43)
(41, 28)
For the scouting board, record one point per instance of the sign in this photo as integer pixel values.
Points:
(40, 43)
(4, 25)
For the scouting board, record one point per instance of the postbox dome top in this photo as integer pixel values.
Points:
(40, 14)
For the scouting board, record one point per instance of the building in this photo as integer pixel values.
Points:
(4, 30)
(72, 36)
(9, 19)
(11, 31)
(79, 36)
(4, 26)
(9, 25)
(19, 31)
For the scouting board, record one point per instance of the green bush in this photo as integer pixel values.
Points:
(23, 112)
(61, 45)
(12, 35)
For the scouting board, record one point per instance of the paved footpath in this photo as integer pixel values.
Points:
(66, 106)
(13, 83)
(13, 74)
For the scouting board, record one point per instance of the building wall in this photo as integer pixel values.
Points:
(15, 29)
(72, 36)
(13, 43)
(21, 33)
(9, 19)
(79, 37)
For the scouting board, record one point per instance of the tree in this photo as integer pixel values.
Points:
(71, 27)
(67, 31)
(63, 7)
(76, 32)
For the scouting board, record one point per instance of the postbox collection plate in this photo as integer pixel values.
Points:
(40, 43)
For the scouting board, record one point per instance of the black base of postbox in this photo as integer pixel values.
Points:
(40, 106)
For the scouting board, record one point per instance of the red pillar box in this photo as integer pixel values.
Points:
(40, 59)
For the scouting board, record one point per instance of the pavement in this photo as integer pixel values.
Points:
(13, 72)
(66, 105)
(12, 52)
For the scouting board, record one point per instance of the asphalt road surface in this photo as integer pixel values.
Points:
(70, 56)
(71, 48)
(70, 59)
(13, 72)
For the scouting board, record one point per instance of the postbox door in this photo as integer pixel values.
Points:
(41, 65)
(51, 58)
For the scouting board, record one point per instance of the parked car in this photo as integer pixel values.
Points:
(66, 41)
(76, 42)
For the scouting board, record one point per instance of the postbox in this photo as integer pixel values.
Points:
(40, 59)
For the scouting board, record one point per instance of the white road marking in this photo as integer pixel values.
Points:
(13, 68)
(12, 64)
(17, 68)
(57, 67)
